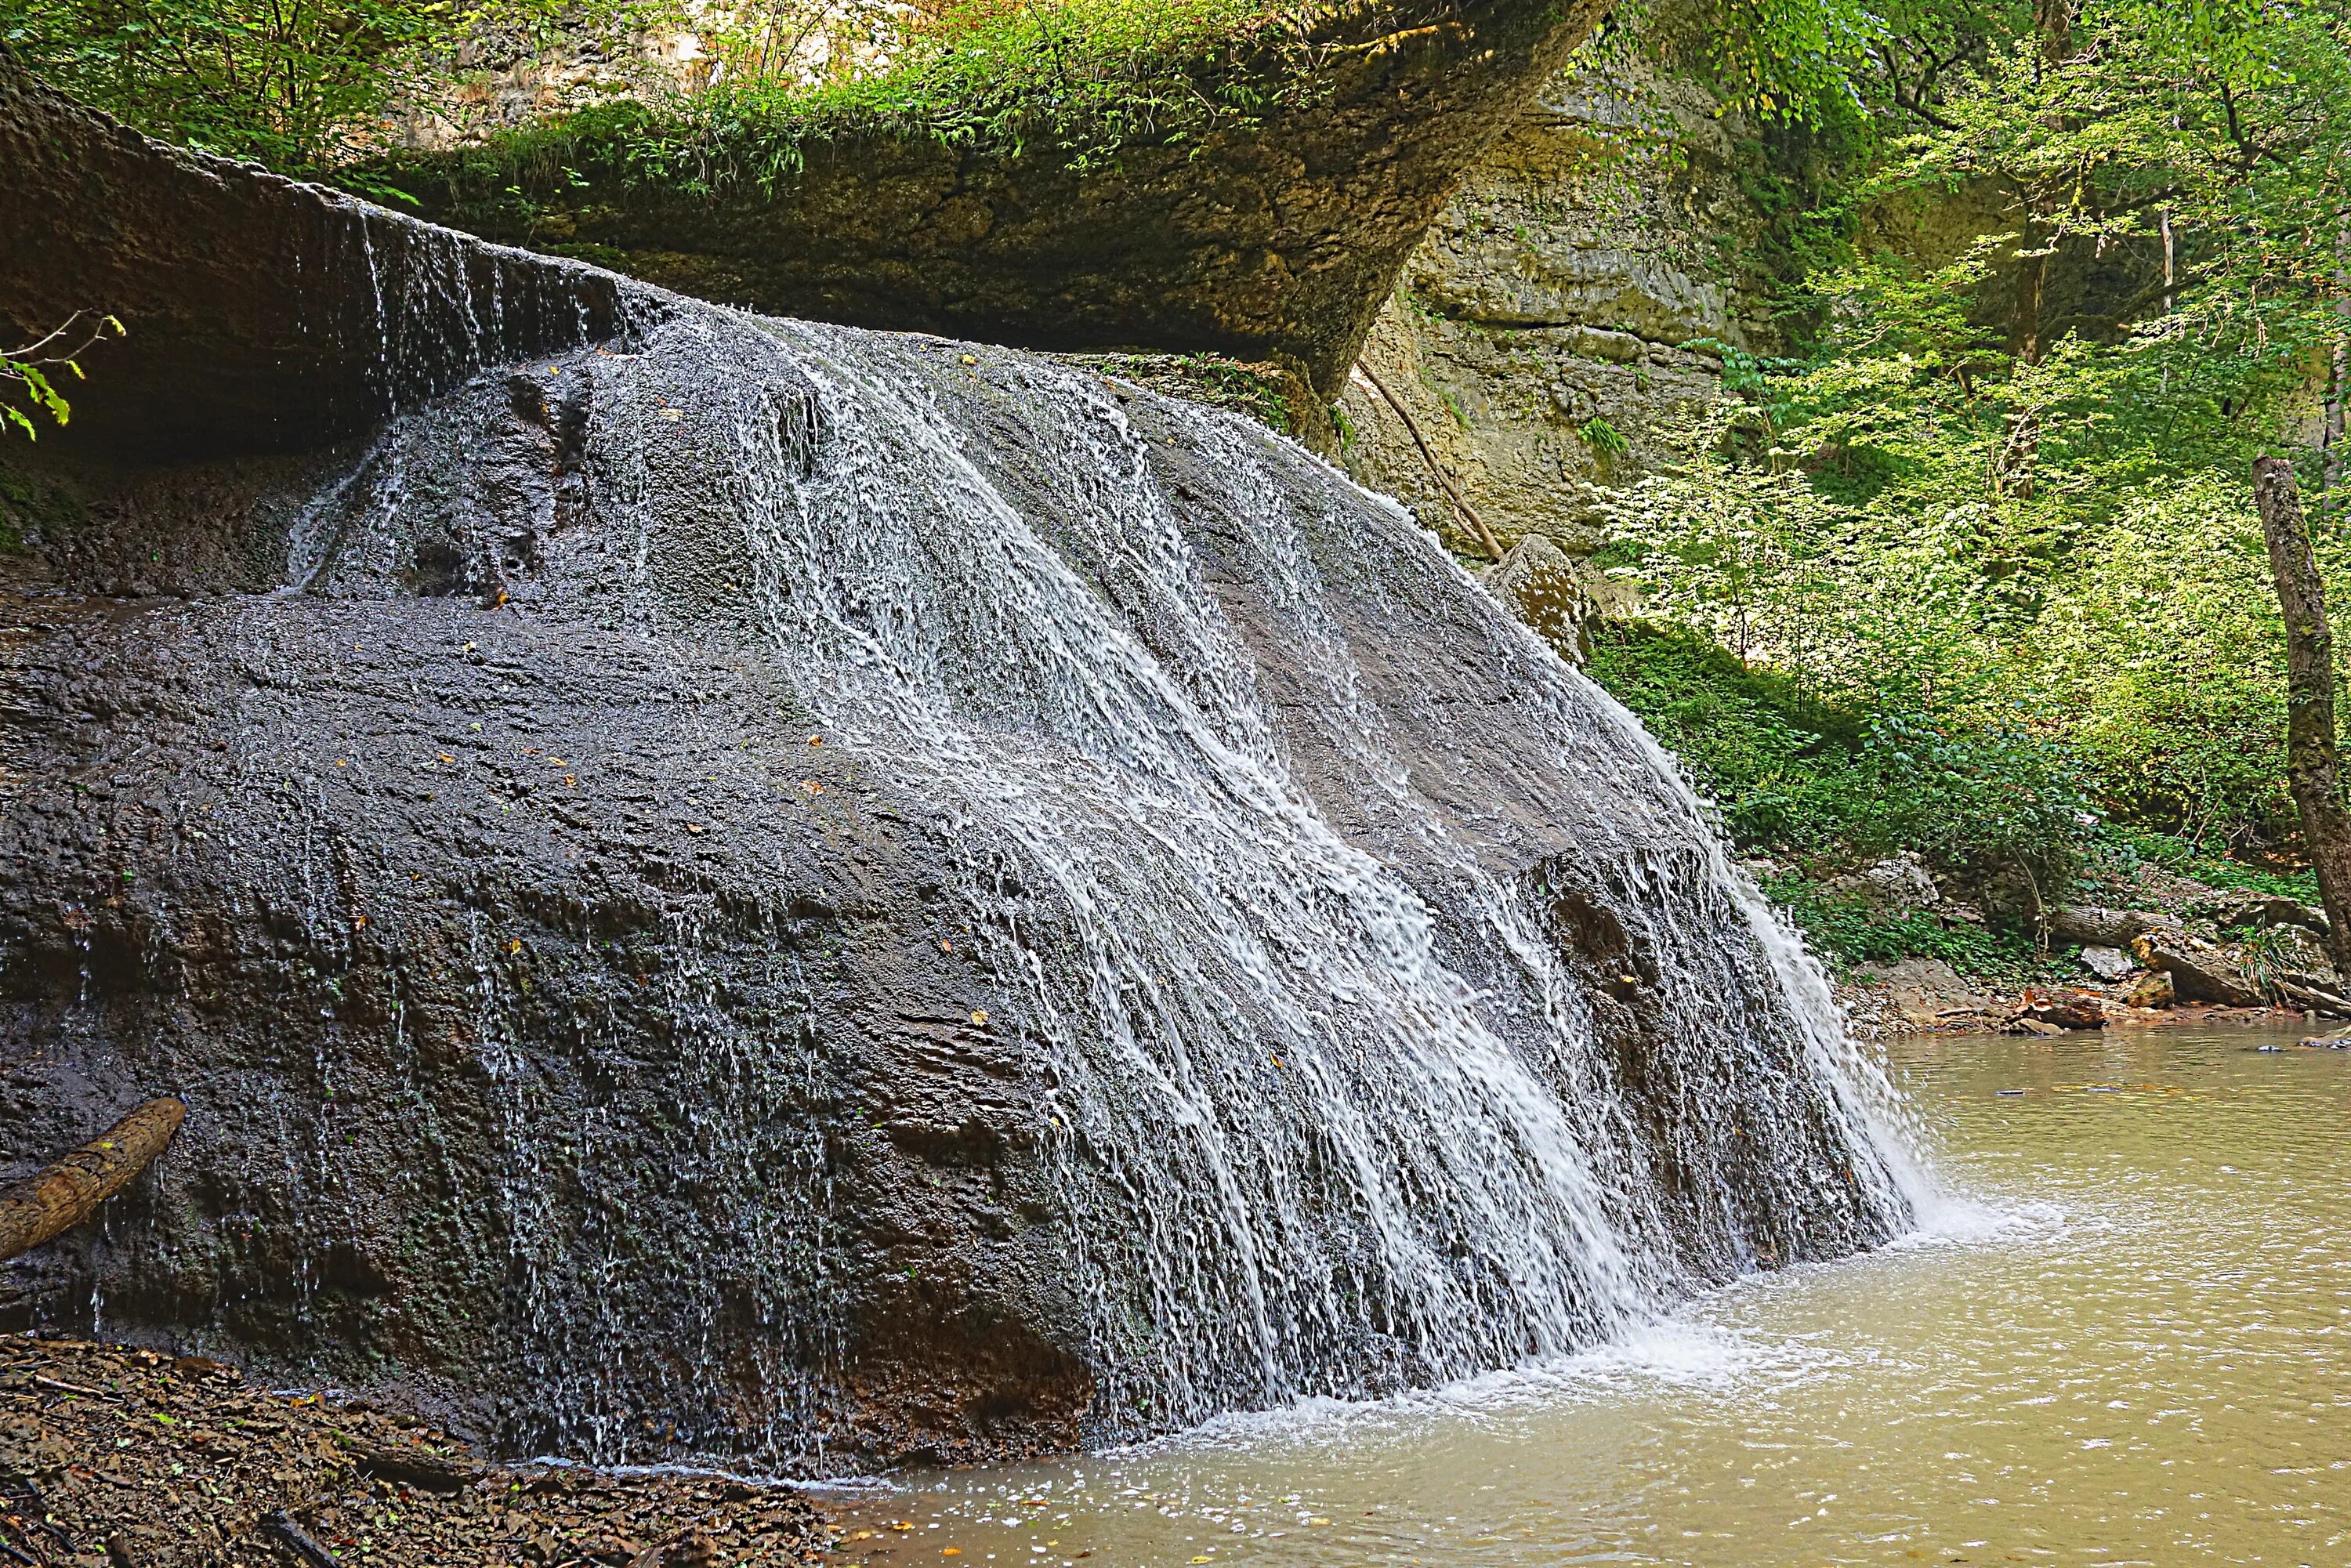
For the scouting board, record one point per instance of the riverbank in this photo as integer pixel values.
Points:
(128, 1458)
(1927, 996)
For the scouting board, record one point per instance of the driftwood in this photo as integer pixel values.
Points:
(67, 1190)
(279, 1523)
(2301, 990)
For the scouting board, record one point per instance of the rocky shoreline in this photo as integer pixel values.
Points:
(128, 1458)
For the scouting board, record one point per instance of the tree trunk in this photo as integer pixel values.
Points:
(2053, 22)
(2310, 755)
(2338, 379)
(2013, 470)
(1461, 505)
(69, 1189)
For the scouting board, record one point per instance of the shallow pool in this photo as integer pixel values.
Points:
(2126, 1339)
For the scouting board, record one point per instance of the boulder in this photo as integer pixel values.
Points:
(2239, 908)
(2109, 963)
(261, 315)
(1927, 991)
(2312, 994)
(1546, 587)
(2200, 971)
(1893, 887)
(2154, 991)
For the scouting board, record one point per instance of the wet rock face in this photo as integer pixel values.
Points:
(561, 1055)
(798, 952)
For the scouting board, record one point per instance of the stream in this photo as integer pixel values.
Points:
(2124, 1337)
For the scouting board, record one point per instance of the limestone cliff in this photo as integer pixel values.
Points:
(1269, 237)
(1566, 311)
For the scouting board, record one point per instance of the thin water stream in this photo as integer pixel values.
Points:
(2126, 1339)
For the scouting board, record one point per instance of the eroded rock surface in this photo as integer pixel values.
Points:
(748, 888)
(1567, 311)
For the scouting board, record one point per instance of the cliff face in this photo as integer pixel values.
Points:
(1277, 236)
(262, 315)
(1538, 337)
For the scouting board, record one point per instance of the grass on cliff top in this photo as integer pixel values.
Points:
(1081, 78)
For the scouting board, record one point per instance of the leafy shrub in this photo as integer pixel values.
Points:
(1848, 935)
(2123, 849)
(1794, 773)
(299, 85)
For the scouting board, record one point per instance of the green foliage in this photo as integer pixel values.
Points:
(1345, 426)
(1851, 935)
(28, 391)
(1604, 437)
(1849, 775)
(337, 87)
(2124, 849)
(299, 85)
(32, 384)
(2026, 531)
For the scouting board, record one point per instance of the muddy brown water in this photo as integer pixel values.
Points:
(2124, 1338)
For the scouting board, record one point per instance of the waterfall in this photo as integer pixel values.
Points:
(1392, 1008)
(1357, 997)
(1332, 1110)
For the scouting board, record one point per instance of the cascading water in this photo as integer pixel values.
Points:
(554, 846)
(835, 896)
(1347, 1087)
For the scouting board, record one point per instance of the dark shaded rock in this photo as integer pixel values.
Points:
(1283, 238)
(261, 315)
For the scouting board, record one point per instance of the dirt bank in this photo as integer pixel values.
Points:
(132, 1459)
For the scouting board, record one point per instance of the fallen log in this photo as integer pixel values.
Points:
(67, 1190)
(2299, 990)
